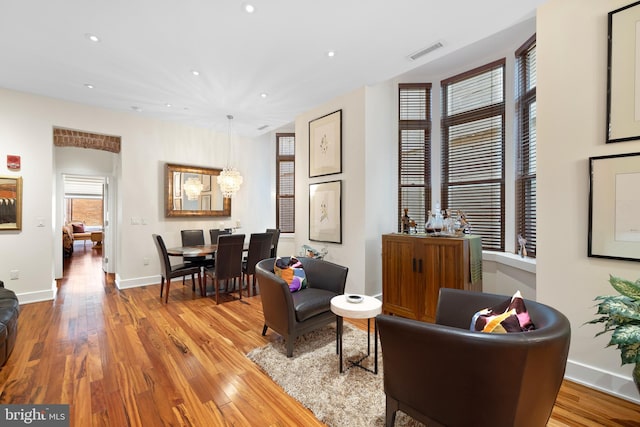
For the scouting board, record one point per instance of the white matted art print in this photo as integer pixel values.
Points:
(325, 145)
(325, 212)
(614, 207)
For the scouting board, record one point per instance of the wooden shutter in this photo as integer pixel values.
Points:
(414, 136)
(473, 150)
(285, 182)
(526, 125)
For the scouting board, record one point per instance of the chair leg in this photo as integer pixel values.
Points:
(290, 341)
(216, 284)
(239, 287)
(161, 287)
(166, 296)
(264, 329)
(200, 284)
(390, 413)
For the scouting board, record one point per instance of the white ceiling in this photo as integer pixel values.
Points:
(148, 49)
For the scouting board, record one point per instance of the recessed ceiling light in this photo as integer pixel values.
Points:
(88, 86)
(249, 8)
(167, 105)
(195, 72)
(331, 54)
(92, 37)
(264, 94)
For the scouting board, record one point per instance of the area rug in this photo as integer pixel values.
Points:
(353, 398)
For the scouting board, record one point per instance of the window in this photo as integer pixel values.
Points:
(526, 140)
(473, 150)
(285, 182)
(414, 129)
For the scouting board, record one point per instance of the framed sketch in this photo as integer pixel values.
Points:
(205, 202)
(206, 182)
(325, 212)
(10, 203)
(623, 74)
(325, 145)
(614, 207)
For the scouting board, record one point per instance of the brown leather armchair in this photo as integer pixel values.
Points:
(295, 314)
(445, 374)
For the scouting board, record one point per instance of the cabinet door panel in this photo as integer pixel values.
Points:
(399, 291)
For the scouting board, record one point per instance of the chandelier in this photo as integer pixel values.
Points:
(229, 179)
(193, 188)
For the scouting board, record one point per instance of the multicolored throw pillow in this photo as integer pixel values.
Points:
(291, 272)
(510, 316)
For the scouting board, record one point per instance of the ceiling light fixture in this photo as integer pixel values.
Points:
(249, 8)
(331, 54)
(195, 72)
(264, 95)
(229, 179)
(167, 105)
(88, 86)
(193, 187)
(92, 37)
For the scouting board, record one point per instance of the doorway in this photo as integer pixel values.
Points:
(84, 217)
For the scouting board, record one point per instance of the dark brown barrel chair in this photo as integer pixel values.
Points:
(294, 314)
(446, 374)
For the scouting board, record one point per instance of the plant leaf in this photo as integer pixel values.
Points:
(626, 335)
(630, 353)
(625, 287)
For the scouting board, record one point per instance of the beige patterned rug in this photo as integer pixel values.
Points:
(353, 398)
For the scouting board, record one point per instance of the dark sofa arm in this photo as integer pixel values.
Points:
(277, 302)
(325, 275)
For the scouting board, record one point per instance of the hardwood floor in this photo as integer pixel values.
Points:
(123, 358)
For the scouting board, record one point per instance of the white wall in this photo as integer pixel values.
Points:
(26, 129)
(571, 106)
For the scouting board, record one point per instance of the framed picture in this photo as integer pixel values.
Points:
(623, 75)
(614, 207)
(325, 145)
(10, 203)
(325, 212)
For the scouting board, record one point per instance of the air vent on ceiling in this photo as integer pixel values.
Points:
(427, 50)
(263, 127)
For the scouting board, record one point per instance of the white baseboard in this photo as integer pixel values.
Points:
(606, 382)
(39, 296)
(136, 282)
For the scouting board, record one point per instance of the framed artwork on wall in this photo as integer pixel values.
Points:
(623, 74)
(10, 203)
(325, 145)
(325, 212)
(614, 207)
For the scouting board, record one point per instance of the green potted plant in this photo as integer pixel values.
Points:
(621, 315)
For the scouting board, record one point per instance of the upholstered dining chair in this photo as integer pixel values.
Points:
(446, 374)
(169, 271)
(194, 238)
(259, 249)
(274, 243)
(214, 233)
(228, 263)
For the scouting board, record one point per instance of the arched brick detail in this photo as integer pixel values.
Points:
(75, 138)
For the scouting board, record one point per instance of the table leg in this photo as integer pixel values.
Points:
(368, 337)
(340, 321)
(375, 346)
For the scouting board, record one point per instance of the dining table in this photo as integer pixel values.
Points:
(197, 250)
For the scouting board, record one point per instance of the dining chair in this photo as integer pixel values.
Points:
(194, 238)
(228, 263)
(274, 243)
(169, 271)
(215, 232)
(259, 249)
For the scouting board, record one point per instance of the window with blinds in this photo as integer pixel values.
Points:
(414, 170)
(526, 139)
(473, 150)
(285, 182)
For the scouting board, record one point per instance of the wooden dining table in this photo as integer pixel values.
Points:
(197, 250)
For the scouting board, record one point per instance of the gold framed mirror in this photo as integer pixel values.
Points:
(194, 191)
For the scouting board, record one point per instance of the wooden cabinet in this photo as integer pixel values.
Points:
(415, 267)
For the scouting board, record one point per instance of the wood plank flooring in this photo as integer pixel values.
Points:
(123, 358)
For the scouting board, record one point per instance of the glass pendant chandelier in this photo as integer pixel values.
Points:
(229, 179)
(193, 188)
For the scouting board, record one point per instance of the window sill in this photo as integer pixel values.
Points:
(512, 260)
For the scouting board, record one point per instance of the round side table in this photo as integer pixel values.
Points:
(368, 308)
